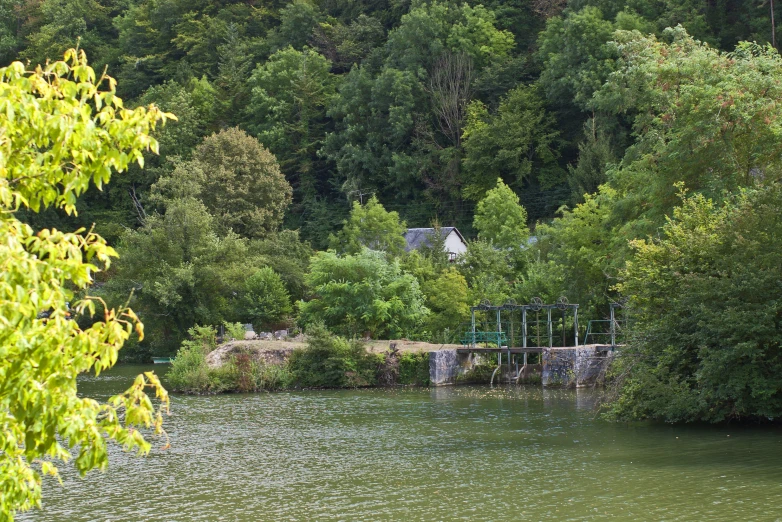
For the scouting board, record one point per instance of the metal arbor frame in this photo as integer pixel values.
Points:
(536, 305)
(613, 324)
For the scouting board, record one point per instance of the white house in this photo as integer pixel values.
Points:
(454, 241)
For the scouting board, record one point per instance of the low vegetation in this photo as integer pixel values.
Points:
(327, 361)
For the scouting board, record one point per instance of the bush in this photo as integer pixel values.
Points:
(330, 361)
(233, 331)
(265, 302)
(189, 371)
(414, 369)
(362, 294)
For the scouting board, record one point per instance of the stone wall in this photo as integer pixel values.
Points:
(568, 367)
(445, 366)
(580, 366)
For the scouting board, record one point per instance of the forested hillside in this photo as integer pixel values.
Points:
(615, 132)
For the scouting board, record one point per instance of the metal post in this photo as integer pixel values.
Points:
(575, 323)
(537, 326)
(613, 328)
(550, 329)
(499, 330)
(472, 313)
(524, 325)
(564, 342)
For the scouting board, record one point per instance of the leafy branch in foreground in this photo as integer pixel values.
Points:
(62, 130)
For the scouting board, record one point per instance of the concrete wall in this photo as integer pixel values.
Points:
(446, 365)
(568, 367)
(575, 367)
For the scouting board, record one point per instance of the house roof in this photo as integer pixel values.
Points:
(418, 237)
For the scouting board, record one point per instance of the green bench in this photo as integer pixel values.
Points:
(471, 338)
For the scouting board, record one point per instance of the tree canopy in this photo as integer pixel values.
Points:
(593, 114)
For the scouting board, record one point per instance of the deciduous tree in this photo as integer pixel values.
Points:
(64, 129)
(370, 226)
(363, 294)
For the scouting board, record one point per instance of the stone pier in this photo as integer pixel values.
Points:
(567, 367)
(577, 366)
(445, 366)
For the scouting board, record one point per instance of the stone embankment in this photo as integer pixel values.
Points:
(568, 367)
(277, 351)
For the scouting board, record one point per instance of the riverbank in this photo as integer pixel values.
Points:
(323, 360)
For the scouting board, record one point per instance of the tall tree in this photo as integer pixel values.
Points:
(501, 220)
(238, 181)
(517, 143)
(370, 226)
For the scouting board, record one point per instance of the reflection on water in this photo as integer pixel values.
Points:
(456, 453)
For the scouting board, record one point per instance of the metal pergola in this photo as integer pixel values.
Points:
(536, 305)
(498, 337)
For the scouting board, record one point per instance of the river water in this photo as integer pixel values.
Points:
(438, 454)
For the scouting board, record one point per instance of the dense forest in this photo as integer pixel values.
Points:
(598, 149)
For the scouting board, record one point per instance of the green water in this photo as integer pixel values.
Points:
(461, 453)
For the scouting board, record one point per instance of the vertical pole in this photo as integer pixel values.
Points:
(524, 326)
(575, 323)
(537, 326)
(472, 313)
(550, 329)
(613, 328)
(564, 342)
(499, 330)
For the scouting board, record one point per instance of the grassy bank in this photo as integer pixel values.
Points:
(325, 361)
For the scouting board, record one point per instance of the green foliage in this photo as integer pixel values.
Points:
(59, 115)
(487, 271)
(362, 294)
(287, 255)
(704, 118)
(264, 303)
(706, 342)
(370, 226)
(517, 143)
(501, 220)
(329, 361)
(189, 372)
(576, 55)
(287, 113)
(596, 154)
(234, 331)
(237, 180)
(447, 299)
(180, 272)
(431, 29)
(414, 369)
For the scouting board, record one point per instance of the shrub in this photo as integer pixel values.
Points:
(329, 361)
(414, 368)
(362, 294)
(233, 331)
(189, 371)
(265, 302)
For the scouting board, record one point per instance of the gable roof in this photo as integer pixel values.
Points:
(418, 237)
